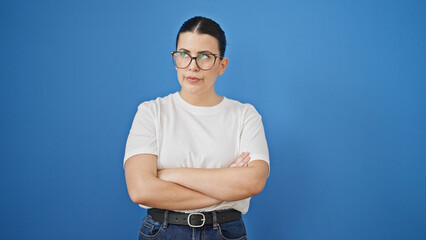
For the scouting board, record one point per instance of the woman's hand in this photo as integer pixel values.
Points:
(242, 160)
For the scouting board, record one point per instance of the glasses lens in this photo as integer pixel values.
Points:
(205, 61)
(181, 59)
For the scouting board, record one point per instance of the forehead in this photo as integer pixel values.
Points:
(195, 42)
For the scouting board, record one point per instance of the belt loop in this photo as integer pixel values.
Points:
(214, 220)
(166, 219)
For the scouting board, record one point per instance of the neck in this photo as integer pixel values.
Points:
(202, 100)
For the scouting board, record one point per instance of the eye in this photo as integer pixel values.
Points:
(203, 56)
(182, 54)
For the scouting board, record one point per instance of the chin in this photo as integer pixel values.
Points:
(192, 90)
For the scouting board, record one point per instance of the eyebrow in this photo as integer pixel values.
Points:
(200, 52)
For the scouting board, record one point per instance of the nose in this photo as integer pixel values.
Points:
(193, 65)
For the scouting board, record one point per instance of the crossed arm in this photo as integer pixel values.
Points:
(192, 188)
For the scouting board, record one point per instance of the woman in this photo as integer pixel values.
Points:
(194, 158)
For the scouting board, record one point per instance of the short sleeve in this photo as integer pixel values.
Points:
(142, 136)
(253, 138)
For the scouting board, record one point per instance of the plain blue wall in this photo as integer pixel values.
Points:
(341, 86)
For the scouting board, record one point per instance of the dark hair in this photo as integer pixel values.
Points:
(204, 25)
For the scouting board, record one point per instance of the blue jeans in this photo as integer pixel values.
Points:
(151, 230)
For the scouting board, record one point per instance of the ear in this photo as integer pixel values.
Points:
(223, 63)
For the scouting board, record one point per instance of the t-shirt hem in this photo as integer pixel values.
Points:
(136, 152)
(263, 158)
(259, 157)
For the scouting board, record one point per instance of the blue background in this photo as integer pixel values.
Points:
(340, 85)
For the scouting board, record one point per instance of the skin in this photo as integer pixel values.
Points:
(200, 93)
(146, 187)
(175, 188)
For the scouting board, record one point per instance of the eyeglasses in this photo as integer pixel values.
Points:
(204, 61)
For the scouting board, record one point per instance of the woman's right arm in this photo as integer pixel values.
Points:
(146, 188)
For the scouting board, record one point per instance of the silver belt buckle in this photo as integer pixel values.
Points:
(202, 219)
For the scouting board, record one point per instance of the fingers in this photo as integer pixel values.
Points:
(242, 160)
(245, 160)
(238, 160)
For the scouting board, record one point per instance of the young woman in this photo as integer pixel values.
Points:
(194, 158)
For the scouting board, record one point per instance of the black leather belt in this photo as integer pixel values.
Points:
(197, 219)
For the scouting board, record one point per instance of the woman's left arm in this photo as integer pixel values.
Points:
(228, 184)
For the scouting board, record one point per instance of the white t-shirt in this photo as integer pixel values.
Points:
(187, 136)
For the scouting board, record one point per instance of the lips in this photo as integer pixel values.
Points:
(192, 79)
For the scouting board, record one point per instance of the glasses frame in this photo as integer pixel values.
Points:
(192, 58)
